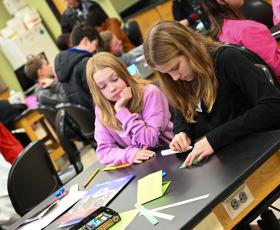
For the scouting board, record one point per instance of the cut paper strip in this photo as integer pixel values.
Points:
(116, 167)
(161, 215)
(147, 214)
(167, 152)
(156, 187)
(126, 219)
(181, 202)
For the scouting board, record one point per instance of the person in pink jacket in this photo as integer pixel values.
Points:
(276, 11)
(228, 26)
(132, 116)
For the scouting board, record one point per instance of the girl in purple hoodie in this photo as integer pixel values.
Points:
(132, 116)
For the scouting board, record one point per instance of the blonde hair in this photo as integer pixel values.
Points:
(169, 39)
(107, 112)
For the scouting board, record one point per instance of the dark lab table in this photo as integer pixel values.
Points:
(221, 175)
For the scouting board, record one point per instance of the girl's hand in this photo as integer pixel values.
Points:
(185, 22)
(180, 142)
(201, 149)
(126, 95)
(142, 155)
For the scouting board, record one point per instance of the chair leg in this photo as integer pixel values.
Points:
(269, 221)
(69, 147)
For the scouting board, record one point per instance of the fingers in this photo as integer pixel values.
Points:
(201, 149)
(179, 142)
(143, 155)
(190, 158)
(136, 161)
(147, 153)
(126, 93)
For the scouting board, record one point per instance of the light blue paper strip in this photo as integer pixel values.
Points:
(146, 213)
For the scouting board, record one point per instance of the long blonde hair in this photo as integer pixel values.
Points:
(169, 39)
(107, 112)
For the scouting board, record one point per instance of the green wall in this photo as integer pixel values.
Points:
(109, 7)
(48, 17)
(121, 5)
(6, 71)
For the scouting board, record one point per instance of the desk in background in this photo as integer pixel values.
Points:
(268, 1)
(254, 160)
(27, 120)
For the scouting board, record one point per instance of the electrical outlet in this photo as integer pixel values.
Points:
(238, 201)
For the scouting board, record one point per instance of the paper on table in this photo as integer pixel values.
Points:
(156, 187)
(126, 219)
(167, 152)
(61, 207)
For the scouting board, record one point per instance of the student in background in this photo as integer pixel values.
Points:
(190, 13)
(49, 91)
(100, 23)
(228, 26)
(9, 112)
(7, 213)
(276, 11)
(127, 123)
(205, 80)
(63, 41)
(70, 64)
(113, 45)
(76, 13)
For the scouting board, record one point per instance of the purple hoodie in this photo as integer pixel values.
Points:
(254, 36)
(151, 127)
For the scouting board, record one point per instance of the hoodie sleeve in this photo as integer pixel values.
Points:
(108, 151)
(146, 129)
(7, 212)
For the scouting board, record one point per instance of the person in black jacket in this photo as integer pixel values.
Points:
(190, 13)
(77, 11)
(9, 112)
(204, 79)
(70, 64)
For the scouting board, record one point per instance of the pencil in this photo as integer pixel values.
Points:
(91, 177)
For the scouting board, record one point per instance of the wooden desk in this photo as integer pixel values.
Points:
(268, 1)
(27, 121)
(153, 14)
(254, 159)
(4, 95)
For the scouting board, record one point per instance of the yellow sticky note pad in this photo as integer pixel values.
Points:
(126, 218)
(151, 187)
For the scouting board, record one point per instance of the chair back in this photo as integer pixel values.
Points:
(133, 32)
(49, 113)
(259, 63)
(258, 10)
(32, 178)
(82, 116)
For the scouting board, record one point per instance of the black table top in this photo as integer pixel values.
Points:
(225, 171)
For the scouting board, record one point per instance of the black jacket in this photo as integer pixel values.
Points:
(190, 10)
(52, 95)
(246, 102)
(70, 68)
(9, 112)
(72, 16)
